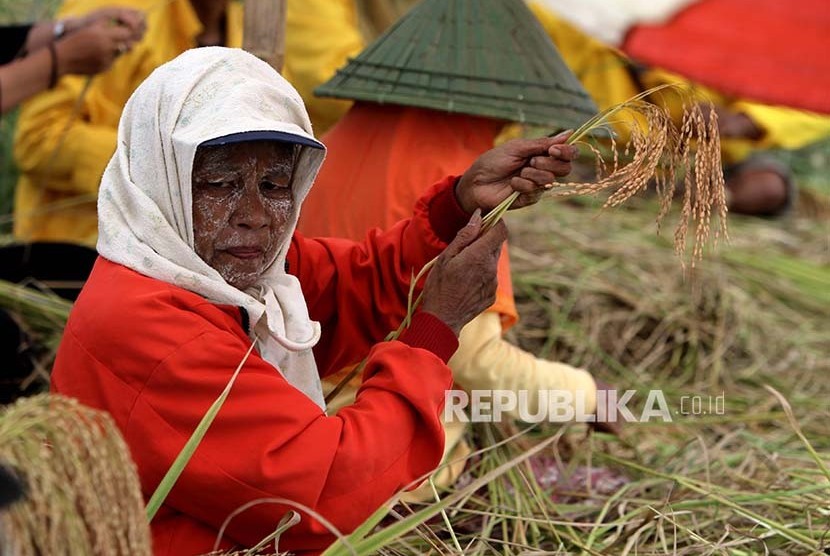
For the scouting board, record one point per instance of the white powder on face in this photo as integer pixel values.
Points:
(145, 209)
(234, 198)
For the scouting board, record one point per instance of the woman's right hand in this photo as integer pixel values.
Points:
(462, 284)
(93, 48)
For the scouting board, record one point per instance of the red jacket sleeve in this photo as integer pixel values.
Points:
(358, 290)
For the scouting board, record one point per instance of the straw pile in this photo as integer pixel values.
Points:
(41, 316)
(82, 489)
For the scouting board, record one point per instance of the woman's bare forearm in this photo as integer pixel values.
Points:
(25, 78)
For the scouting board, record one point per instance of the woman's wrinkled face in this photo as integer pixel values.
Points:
(242, 202)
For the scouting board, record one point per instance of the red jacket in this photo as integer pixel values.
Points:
(156, 357)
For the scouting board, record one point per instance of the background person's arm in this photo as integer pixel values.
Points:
(45, 32)
(88, 51)
(24, 78)
(87, 45)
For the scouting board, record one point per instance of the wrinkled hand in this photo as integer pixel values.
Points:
(462, 283)
(524, 165)
(612, 427)
(93, 49)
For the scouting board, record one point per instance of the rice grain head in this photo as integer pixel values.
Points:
(82, 490)
(662, 154)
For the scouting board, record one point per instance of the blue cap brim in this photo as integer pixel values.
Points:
(281, 136)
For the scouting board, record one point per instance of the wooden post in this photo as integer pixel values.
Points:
(264, 34)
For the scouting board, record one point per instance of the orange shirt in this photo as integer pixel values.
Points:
(381, 159)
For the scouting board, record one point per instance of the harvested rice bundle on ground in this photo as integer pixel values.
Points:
(82, 490)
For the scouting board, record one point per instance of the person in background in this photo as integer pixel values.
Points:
(34, 56)
(352, 197)
(197, 213)
(66, 135)
(32, 59)
(586, 37)
(756, 184)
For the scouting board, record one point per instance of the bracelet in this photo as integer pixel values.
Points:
(53, 70)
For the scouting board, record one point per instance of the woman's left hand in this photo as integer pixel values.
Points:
(523, 165)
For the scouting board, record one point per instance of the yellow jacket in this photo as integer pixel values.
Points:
(606, 74)
(321, 36)
(62, 146)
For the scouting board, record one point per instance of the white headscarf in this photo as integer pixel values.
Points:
(145, 215)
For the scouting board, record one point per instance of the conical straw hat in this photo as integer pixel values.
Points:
(482, 57)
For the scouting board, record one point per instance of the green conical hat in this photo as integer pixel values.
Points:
(482, 57)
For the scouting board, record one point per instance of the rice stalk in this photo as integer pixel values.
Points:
(444, 516)
(82, 490)
(788, 411)
(176, 469)
(663, 154)
(291, 518)
(44, 312)
(774, 526)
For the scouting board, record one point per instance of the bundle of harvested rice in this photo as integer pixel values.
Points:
(82, 490)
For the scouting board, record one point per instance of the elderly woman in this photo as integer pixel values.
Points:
(198, 261)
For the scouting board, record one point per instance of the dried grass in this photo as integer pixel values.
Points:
(41, 315)
(83, 493)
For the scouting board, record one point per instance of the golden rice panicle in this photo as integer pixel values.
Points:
(82, 489)
(661, 154)
(704, 191)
